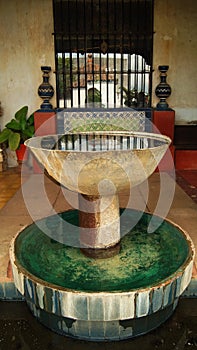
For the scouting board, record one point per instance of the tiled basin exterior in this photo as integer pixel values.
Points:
(102, 316)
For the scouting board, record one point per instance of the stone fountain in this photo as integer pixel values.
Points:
(101, 275)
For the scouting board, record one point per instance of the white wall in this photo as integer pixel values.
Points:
(26, 28)
(175, 44)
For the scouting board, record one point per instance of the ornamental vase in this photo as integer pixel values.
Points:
(163, 89)
(45, 90)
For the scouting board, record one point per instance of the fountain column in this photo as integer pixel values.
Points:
(99, 221)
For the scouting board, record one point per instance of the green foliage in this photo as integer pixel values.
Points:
(65, 66)
(94, 95)
(19, 129)
(130, 97)
(133, 98)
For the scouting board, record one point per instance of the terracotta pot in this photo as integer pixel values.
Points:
(21, 153)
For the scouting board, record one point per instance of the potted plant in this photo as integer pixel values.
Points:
(19, 129)
(135, 99)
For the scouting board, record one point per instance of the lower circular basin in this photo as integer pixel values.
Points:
(103, 299)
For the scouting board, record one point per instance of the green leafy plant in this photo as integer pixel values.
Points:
(130, 97)
(133, 98)
(94, 95)
(19, 129)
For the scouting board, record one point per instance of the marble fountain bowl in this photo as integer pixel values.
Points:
(107, 296)
(83, 160)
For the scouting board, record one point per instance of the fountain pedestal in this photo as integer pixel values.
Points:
(99, 221)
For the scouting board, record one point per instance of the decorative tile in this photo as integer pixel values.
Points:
(40, 292)
(80, 305)
(186, 277)
(97, 330)
(29, 292)
(95, 308)
(73, 305)
(49, 299)
(178, 286)
(67, 327)
(8, 291)
(65, 304)
(167, 299)
(103, 120)
(157, 298)
(142, 304)
(55, 303)
(81, 328)
(111, 307)
(11, 293)
(18, 279)
(127, 305)
(112, 330)
(125, 332)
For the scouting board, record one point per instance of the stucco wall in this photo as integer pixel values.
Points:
(175, 44)
(27, 43)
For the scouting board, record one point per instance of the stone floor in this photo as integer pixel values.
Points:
(26, 196)
(187, 179)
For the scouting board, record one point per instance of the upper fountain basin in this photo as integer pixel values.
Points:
(100, 162)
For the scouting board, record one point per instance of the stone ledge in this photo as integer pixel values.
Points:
(8, 291)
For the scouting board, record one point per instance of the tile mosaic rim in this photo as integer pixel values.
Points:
(130, 304)
(102, 331)
(190, 259)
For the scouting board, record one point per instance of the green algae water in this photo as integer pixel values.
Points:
(144, 259)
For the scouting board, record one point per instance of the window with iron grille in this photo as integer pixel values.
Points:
(103, 52)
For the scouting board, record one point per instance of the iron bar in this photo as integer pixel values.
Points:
(112, 32)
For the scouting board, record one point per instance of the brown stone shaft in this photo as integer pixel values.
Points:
(99, 221)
